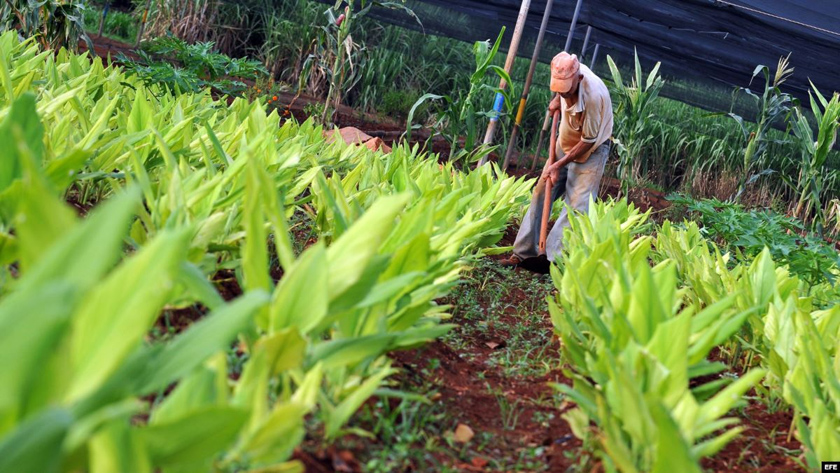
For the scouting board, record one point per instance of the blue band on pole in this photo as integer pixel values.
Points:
(500, 102)
(497, 106)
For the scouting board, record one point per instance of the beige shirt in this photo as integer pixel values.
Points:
(590, 119)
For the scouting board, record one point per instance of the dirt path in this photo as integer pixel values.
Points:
(492, 407)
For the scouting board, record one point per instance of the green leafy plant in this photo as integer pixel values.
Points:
(184, 186)
(795, 342)
(745, 234)
(118, 24)
(200, 66)
(633, 342)
(398, 103)
(338, 48)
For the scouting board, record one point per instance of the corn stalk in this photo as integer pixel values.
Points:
(773, 106)
(633, 117)
(813, 155)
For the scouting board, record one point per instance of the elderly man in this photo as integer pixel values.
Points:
(585, 128)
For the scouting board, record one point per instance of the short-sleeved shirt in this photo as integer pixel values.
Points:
(590, 119)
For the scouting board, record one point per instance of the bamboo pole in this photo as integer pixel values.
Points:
(528, 81)
(594, 56)
(102, 20)
(541, 140)
(572, 26)
(511, 57)
(585, 42)
(143, 23)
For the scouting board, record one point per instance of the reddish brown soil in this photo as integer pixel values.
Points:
(174, 321)
(106, 47)
(467, 399)
(759, 447)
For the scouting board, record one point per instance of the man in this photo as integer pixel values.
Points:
(585, 128)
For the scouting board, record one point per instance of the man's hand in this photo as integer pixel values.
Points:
(555, 104)
(553, 171)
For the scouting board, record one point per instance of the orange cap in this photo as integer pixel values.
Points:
(564, 70)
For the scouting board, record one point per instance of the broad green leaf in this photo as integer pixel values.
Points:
(712, 446)
(349, 256)
(729, 397)
(42, 219)
(349, 351)
(87, 251)
(275, 440)
(301, 298)
(8, 248)
(36, 444)
(34, 322)
(199, 287)
(307, 393)
(201, 340)
(347, 407)
(139, 120)
(200, 389)
(672, 451)
(118, 447)
(255, 251)
(192, 441)
(22, 127)
(119, 312)
(763, 278)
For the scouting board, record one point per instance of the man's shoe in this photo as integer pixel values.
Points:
(511, 262)
(539, 265)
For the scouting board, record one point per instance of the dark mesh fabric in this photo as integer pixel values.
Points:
(697, 40)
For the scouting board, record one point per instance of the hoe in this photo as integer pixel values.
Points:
(540, 264)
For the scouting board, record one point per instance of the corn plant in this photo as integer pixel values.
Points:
(340, 48)
(55, 24)
(773, 105)
(633, 114)
(814, 152)
(456, 117)
(115, 24)
(289, 33)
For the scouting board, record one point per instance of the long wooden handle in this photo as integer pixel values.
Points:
(549, 183)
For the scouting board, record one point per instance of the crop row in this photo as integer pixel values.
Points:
(185, 188)
(646, 323)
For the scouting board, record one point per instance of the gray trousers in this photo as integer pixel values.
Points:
(579, 181)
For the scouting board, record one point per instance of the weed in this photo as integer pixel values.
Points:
(200, 66)
(509, 411)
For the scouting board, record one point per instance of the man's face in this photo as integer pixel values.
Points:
(574, 90)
